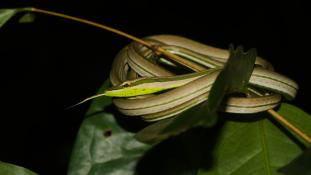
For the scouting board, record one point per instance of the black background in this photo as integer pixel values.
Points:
(53, 63)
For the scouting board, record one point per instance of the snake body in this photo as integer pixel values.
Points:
(137, 73)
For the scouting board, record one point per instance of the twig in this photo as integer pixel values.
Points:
(131, 37)
(290, 126)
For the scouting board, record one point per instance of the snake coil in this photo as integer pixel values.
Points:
(135, 61)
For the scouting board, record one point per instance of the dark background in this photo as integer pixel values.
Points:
(53, 63)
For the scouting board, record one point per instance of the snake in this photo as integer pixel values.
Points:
(148, 85)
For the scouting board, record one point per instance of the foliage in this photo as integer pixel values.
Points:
(238, 144)
(10, 169)
(7, 14)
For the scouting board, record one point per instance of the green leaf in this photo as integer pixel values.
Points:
(239, 69)
(300, 165)
(10, 169)
(297, 117)
(7, 14)
(257, 147)
(233, 78)
(27, 18)
(102, 145)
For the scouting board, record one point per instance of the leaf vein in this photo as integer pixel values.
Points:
(263, 141)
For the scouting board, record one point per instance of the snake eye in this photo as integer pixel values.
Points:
(125, 84)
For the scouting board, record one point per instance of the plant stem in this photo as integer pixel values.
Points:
(290, 126)
(175, 58)
(73, 18)
(131, 37)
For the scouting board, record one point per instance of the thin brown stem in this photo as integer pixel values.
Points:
(126, 35)
(290, 126)
(95, 24)
(171, 56)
